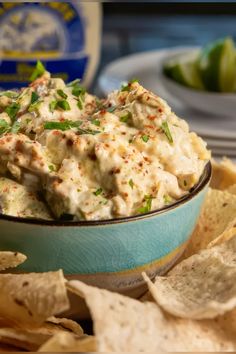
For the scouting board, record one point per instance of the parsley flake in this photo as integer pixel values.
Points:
(9, 94)
(126, 117)
(79, 104)
(60, 104)
(98, 192)
(78, 91)
(12, 110)
(96, 122)
(128, 86)
(63, 104)
(52, 106)
(62, 94)
(148, 205)
(166, 130)
(145, 138)
(4, 127)
(51, 168)
(68, 124)
(34, 97)
(15, 127)
(34, 102)
(65, 125)
(167, 199)
(111, 109)
(131, 183)
(38, 71)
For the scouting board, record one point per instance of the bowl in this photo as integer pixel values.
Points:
(214, 103)
(108, 253)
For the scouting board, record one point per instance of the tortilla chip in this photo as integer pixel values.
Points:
(67, 342)
(11, 259)
(21, 338)
(224, 174)
(32, 298)
(218, 215)
(202, 286)
(63, 324)
(123, 324)
(225, 236)
(232, 189)
(4, 348)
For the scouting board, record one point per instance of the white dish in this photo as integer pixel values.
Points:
(220, 104)
(227, 144)
(146, 67)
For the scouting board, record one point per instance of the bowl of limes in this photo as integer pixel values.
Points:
(204, 78)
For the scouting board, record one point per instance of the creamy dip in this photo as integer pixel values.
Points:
(90, 159)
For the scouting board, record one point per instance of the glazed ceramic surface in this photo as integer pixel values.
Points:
(110, 254)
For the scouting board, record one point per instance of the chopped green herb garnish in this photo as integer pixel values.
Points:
(73, 83)
(148, 205)
(33, 107)
(78, 91)
(98, 191)
(34, 97)
(166, 130)
(131, 183)
(12, 110)
(4, 127)
(145, 138)
(62, 94)
(51, 168)
(65, 125)
(38, 71)
(9, 94)
(127, 87)
(96, 122)
(34, 102)
(15, 127)
(78, 190)
(52, 106)
(111, 109)
(167, 199)
(63, 104)
(87, 131)
(185, 183)
(126, 117)
(79, 104)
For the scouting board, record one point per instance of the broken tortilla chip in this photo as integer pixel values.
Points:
(217, 215)
(64, 324)
(200, 287)
(232, 189)
(32, 298)
(67, 342)
(22, 339)
(225, 236)
(123, 324)
(11, 259)
(223, 174)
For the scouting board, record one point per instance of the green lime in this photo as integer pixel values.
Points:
(217, 66)
(183, 69)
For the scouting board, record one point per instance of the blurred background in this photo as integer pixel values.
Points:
(108, 43)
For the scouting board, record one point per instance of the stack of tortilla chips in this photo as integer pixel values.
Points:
(192, 308)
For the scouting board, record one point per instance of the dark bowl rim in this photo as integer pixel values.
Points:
(204, 180)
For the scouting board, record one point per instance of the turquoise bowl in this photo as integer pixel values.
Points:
(110, 254)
